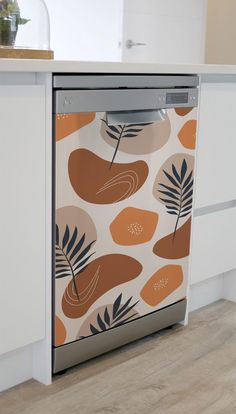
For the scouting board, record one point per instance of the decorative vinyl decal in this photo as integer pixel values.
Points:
(162, 284)
(75, 238)
(109, 316)
(60, 331)
(174, 187)
(187, 134)
(124, 196)
(183, 111)
(96, 181)
(66, 124)
(175, 245)
(136, 138)
(100, 276)
(133, 226)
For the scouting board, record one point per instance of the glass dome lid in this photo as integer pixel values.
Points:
(24, 26)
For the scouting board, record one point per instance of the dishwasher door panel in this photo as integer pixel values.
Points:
(123, 196)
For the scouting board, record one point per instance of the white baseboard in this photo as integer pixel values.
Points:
(15, 367)
(206, 292)
(229, 290)
(32, 361)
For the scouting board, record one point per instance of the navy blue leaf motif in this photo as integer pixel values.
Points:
(178, 200)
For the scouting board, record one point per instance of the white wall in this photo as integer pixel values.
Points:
(173, 30)
(86, 29)
(221, 32)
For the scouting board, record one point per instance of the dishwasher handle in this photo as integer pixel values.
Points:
(135, 117)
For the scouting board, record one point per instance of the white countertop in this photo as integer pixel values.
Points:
(50, 66)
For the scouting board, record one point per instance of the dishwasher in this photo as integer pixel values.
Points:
(124, 148)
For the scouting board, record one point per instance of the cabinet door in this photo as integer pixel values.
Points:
(213, 244)
(22, 216)
(216, 167)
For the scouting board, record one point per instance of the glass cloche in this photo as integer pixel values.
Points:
(24, 26)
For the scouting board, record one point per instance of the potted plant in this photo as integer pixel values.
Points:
(10, 19)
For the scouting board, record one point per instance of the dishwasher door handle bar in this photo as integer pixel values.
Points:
(135, 117)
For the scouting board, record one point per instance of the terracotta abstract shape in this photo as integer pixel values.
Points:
(60, 332)
(137, 139)
(108, 316)
(95, 181)
(165, 281)
(183, 111)
(177, 247)
(66, 124)
(133, 226)
(187, 134)
(100, 276)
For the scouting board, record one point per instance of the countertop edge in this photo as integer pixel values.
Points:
(61, 66)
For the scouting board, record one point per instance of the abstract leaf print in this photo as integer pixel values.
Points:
(118, 132)
(178, 196)
(95, 182)
(100, 276)
(72, 255)
(109, 316)
(174, 187)
(144, 138)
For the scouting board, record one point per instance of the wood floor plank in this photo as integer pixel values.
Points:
(181, 370)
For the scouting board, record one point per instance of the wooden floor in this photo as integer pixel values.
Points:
(178, 371)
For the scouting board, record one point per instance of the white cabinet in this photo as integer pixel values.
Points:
(213, 244)
(22, 215)
(216, 165)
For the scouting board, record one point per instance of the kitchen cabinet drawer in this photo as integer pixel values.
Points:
(22, 216)
(213, 244)
(216, 167)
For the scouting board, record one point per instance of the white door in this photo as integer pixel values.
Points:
(169, 31)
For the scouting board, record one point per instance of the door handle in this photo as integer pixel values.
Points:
(130, 43)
